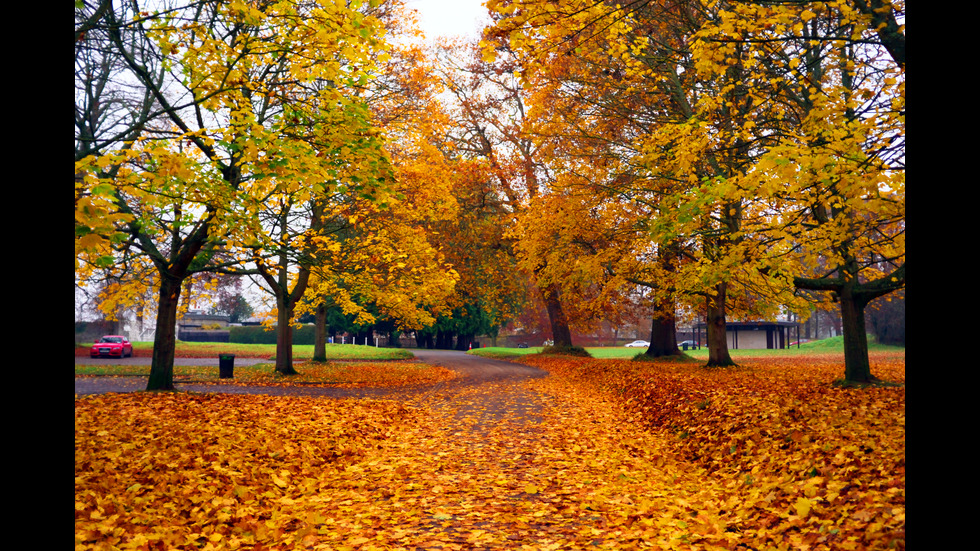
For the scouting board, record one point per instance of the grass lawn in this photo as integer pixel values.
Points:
(499, 352)
(268, 351)
(347, 365)
(834, 345)
(366, 365)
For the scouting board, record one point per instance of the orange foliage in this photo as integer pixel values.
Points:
(355, 374)
(800, 456)
(603, 454)
(179, 471)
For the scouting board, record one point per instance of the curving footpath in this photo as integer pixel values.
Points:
(486, 391)
(472, 370)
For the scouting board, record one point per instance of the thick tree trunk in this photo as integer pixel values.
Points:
(320, 335)
(663, 332)
(561, 333)
(857, 365)
(854, 296)
(718, 355)
(165, 337)
(284, 337)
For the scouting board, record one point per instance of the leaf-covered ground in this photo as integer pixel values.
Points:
(332, 374)
(357, 374)
(601, 455)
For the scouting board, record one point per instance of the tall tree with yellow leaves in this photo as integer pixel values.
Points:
(493, 125)
(357, 229)
(383, 258)
(229, 83)
(766, 134)
(612, 89)
(833, 168)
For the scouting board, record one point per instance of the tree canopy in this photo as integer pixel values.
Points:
(742, 159)
(760, 144)
(244, 116)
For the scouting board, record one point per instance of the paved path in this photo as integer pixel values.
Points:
(102, 385)
(473, 370)
(486, 392)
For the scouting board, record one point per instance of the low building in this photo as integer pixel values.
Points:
(196, 326)
(757, 334)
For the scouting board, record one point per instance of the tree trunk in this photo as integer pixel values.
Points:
(663, 331)
(854, 296)
(165, 337)
(286, 301)
(718, 355)
(284, 337)
(561, 333)
(857, 365)
(320, 335)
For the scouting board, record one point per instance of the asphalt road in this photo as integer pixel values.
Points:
(473, 370)
(85, 360)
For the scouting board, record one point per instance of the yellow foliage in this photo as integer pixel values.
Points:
(751, 136)
(602, 454)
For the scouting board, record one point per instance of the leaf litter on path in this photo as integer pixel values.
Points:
(499, 465)
(510, 464)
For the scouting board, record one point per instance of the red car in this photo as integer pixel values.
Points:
(114, 346)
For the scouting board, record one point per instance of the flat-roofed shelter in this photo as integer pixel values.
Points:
(757, 334)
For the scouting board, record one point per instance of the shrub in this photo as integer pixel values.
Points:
(566, 351)
(254, 334)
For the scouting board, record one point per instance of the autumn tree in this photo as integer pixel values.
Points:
(284, 266)
(453, 199)
(361, 244)
(121, 293)
(182, 182)
(301, 225)
(590, 248)
(491, 112)
(385, 262)
(835, 172)
(772, 134)
(490, 289)
(613, 90)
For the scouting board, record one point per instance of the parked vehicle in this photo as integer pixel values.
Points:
(112, 346)
(638, 344)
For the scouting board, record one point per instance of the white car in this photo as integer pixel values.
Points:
(638, 344)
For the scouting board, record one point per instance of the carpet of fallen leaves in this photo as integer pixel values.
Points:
(337, 374)
(350, 374)
(601, 455)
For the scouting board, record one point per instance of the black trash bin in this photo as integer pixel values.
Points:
(226, 366)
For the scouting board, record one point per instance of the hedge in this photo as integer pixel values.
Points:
(252, 334)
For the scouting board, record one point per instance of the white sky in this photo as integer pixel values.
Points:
(442, 18)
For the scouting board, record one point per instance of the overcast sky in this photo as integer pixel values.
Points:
(440, 18)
